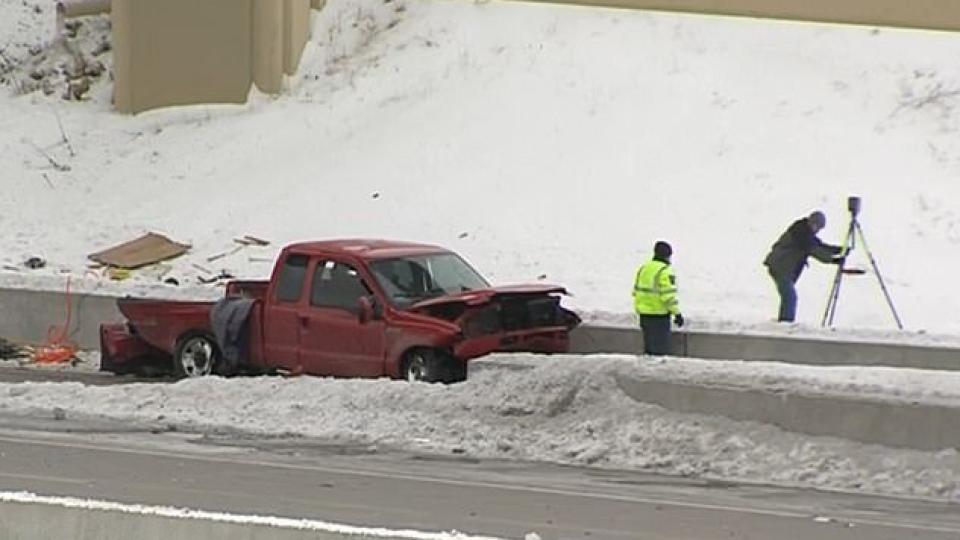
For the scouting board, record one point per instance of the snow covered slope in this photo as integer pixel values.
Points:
(542, 142)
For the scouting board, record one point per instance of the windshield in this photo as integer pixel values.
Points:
(408, 280)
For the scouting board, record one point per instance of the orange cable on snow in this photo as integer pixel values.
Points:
(57, 350)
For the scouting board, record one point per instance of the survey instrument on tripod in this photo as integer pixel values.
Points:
(854, 231)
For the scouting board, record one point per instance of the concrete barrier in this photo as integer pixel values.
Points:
(817, 351)
(25, 516)
(26, 316)
(591, 339)
(907, 425)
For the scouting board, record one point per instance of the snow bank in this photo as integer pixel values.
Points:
(562, 409)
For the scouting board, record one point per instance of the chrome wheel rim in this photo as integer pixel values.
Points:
(196, 357)
(416, 369)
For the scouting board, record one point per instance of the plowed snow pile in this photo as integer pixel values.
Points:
(557, 409)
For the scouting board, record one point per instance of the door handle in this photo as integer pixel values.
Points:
(304, 320)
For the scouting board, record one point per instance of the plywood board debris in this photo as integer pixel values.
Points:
(148, 249)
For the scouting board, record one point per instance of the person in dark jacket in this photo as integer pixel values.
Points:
(788, 257)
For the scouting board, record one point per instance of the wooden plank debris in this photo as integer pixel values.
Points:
(225, 253)
(148, 249)
(248, 240)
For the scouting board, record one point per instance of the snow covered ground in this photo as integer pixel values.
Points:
(562, 409)
(543, 142)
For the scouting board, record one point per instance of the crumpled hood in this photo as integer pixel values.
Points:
(484, 296)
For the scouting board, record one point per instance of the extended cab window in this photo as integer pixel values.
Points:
(292, 276)
(336, 285)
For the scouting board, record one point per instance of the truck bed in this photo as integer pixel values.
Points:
(161, 322)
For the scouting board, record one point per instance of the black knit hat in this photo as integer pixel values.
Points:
(817, 219)
(662, 250)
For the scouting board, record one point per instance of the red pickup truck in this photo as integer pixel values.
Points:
(353, 308)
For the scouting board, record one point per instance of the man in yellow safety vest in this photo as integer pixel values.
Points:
(655, 300)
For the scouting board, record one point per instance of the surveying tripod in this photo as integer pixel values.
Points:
(849, 242)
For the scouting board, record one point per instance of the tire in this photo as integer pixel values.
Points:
(425, 365)
(196, 355)
(456, 371)
(420, 365)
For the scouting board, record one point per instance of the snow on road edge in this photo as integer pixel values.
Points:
(562, 409)
(241, 519)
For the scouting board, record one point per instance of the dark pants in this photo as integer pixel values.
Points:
(788, 298)
(656, 334)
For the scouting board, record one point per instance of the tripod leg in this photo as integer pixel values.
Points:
(849, 242)
(876, 270)
(832, 299)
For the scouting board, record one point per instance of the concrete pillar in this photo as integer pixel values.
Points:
(296, 17)
(123, 84)
(180, 52)
(268, 50)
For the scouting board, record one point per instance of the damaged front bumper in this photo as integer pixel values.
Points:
(551, 340)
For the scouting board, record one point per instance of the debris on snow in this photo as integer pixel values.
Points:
(11, 351)
(223, 254)
(34, 263)
(59, 413)
(224, 275)
(148, 249)
(252, 241)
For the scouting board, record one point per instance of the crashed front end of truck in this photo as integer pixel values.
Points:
(517, 318)
(506, 319)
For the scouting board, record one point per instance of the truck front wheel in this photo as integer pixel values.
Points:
(196, 356)
(431, 366)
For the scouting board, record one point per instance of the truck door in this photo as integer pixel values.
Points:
(335, 340)
(281, 325)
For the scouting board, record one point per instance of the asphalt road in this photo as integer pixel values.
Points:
(296, 477)
(16, 374)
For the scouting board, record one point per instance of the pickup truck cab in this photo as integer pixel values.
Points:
(351, 308)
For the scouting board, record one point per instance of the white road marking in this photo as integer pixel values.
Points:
(475, 483)
(244, 519)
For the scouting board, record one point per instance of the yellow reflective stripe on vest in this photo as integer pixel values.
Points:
(652, 290)
(656, 283)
